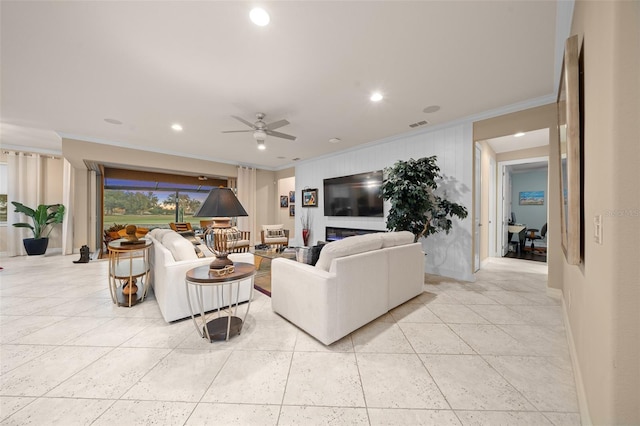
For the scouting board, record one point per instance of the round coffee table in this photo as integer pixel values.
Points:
(226, 291)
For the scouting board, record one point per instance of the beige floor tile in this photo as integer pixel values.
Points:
(47, 371)
(59, 411)
(488, 339)
(324, 379)
(511, 418)
(434, 339)
(545, 381)
(252, 377)
(414, 312)
(146, 413)
(294, 415)
(13, 356)
(234, 414)
(112, 375)
(398, 381)
(380, 337)
(11, 404)
(404, 417)
(184, 375)
(469, 383)
(456, 314)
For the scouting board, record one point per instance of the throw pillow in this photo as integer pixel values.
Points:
(275, 233)
(315, 253)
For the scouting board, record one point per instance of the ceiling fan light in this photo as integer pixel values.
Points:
(259, 17)
(259, 135)
(261, 145)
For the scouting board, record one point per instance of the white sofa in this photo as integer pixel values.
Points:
(171, 257)
(355, 280)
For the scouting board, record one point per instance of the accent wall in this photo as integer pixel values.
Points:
(446, 254)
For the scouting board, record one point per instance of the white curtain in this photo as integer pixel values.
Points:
(67, 201)
(247, 197)
(25, 185)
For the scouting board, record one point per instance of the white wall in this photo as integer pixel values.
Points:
(534, 216)
(448, 255)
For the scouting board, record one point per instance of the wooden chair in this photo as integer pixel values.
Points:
(181, 226)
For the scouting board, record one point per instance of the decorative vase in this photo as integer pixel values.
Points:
(305, 236)
(35, 246)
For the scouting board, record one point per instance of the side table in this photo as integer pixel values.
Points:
(129, 270)
(226, 292)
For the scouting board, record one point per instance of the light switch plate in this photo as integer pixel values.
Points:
(597, 229)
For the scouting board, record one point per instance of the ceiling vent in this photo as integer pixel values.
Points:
(418, 124)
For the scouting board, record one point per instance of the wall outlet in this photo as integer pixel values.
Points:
(597, 229)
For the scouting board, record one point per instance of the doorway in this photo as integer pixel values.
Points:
(505, 157)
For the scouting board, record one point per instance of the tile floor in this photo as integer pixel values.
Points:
(489, 352)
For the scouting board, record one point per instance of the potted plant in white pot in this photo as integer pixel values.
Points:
(44, 217)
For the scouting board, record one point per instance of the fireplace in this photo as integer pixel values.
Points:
(333, 234)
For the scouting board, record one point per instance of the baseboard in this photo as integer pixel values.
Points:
(585, 418)
(556, 293)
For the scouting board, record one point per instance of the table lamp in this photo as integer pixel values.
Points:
(221, 205)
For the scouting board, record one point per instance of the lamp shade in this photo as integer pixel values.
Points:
(221, 202)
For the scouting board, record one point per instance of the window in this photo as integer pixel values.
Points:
(153, 200)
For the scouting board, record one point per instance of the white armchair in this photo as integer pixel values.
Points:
(274, 235)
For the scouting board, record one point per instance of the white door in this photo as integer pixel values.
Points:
(506, 208)
(492, 208)
(478, 200)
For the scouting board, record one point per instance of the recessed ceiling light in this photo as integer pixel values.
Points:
(431, 109)
(376, 97)
(519, 134)
(335, 140)
(113, 121)
(259, 17)
(176, 127)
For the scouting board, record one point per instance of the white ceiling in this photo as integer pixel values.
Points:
(67, 66)
(510, 143)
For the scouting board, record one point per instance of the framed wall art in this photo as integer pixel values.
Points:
(284, 201)
(310, 197)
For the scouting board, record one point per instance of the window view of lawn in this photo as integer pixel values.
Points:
(133, 203)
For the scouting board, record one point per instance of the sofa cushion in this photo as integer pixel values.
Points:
(346, 247)
(158, 233)
(392, 239)
(180, 248)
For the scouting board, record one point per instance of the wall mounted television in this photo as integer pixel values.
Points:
(355, 195)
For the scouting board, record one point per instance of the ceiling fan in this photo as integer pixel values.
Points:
(261, 129)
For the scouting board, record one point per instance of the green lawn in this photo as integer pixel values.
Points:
(147, 221)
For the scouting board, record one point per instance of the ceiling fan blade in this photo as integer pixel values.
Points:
(277, 124)
(236, 131)
(244, 121)
(280, 135)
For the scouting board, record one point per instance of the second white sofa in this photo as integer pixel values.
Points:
(355, 281)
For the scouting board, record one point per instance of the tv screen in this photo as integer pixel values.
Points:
(355, 195)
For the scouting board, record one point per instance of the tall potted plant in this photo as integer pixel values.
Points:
(410, 187)
(44, 217)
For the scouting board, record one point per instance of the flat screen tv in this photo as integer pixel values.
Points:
(355, 195)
